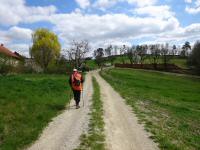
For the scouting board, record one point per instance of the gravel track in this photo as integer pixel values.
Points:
(64, 131)
(122, 130)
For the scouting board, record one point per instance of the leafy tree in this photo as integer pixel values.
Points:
(61, 65)
(185, 48)
(45, 48)
(194, 58)
(99, 53)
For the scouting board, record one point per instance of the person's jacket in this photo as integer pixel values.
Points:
(72, 83)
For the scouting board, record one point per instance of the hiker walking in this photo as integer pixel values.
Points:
(76, 83)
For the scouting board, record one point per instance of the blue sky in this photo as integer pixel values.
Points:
(101, 22)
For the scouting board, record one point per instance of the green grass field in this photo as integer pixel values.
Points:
(27, 104)
(180, 62)
(168, 105)
(95, 138)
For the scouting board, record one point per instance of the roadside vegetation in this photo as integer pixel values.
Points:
(168, 105)
(27, 105)
(95, 138)
(91, 64)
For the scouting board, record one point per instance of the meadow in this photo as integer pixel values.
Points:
(180, 62)
(27, 105)
(168, 105)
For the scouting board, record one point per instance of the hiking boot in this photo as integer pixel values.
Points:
(77, 106)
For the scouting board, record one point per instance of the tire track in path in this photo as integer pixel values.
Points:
(122, 130)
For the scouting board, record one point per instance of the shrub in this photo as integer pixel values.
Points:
(5, 65)
(5, 69)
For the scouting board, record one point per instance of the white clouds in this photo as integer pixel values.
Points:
(191, 32)
(142, 3)
(19, 33)
(102, 4)
(193, 9)
(162, 11)
(13, 12)
(83, 3)
(197, 3)
(193, 29)
(15, 34)
(21, 36)
(188, 1)
(4, 38)
(21, 48)
(109, 27)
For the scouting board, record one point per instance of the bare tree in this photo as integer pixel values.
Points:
(174, 50)
(123, 51)
(141, 51)
(76, 53)
(98, 54)
(130, 54)
(165, 54)
(108, 50)
(115, 49)
(155, 54)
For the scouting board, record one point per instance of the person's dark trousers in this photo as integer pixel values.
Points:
(77, 95)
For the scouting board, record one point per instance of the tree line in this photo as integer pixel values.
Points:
(46, 53)
(137, 54)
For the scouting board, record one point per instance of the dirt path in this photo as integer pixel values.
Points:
(64, 131)
(121, 126)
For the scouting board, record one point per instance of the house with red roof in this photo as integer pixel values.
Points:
(5, 51)
(8, 57)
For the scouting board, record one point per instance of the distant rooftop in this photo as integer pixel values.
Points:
(8, 52)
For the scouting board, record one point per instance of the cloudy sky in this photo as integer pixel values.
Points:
(101, 22)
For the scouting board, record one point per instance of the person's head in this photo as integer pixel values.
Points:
(75, 70)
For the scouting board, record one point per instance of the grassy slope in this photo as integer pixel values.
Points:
(94, 139)
(27, 104)
(169, 105)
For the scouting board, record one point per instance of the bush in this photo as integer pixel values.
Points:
(5, 69)
(5, 65)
